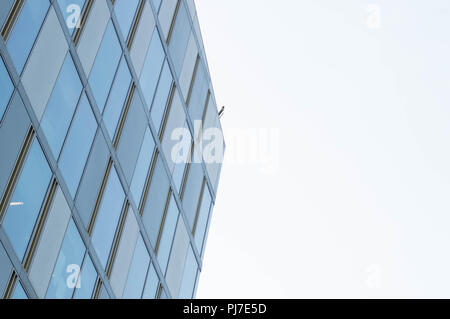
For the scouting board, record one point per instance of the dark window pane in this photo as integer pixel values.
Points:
(117, 98)
(25, 31)
(105, 66)
(26, 201)
(125, 11)
(78, 144)
(108, 217)
(62, 104)
(6, 88)
(66, 273)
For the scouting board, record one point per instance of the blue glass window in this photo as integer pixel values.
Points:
(108, 217)
(202, 221)
(156, 200)
(192, 191)
(180, 167)
(6, 88)
(67, 270)
(25, 31)
(151, 284)
(117, 98)
(170, 224)
(125, 12)
(77, 146)
(105, 66)
(87, 280)
(138, 271)
(157, 4)
(19, 293)
(62, 104)
(152, 68)
(72, 10)
(199, 92)
(179, 39)
(189, 276)
(27, 199)
(142, 166)
(161, 97)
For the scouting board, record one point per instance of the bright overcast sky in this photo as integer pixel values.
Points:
(359, 92)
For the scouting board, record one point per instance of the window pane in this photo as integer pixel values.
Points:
(138, 271)
(152, 68)
(156, 200)
(105, 66)
(71, 10)
(161, 97)
(108, 217)
(170, 224)
(184, 154)
(6, 88)
(62, 104)
(157, 4)
(189, 276)
(151, 284)
(125, 12)
(78, 144)
(87, 280)
(19, 293)
(25, 31)
(66, 273)
(26, 201)
(117, 98)
(202, 221)
(192, 191)
(198, 96)
(142, 166)
(5, 8)
(180, 38)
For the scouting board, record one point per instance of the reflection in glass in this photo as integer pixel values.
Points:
(27, 199)
(105, 66)
(152, 68)
(138, 271)
(67, 269)
(117, 98)
(6, 88)
(125, 11)
(77, 146)
(168, 232)
(108, 216)
(25, 31)
(62, 104)
(142, 166)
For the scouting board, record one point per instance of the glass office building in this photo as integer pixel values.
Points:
(99, 197)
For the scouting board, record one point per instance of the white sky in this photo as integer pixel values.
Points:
(360, 205)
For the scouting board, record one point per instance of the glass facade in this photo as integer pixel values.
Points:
(101, 192)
